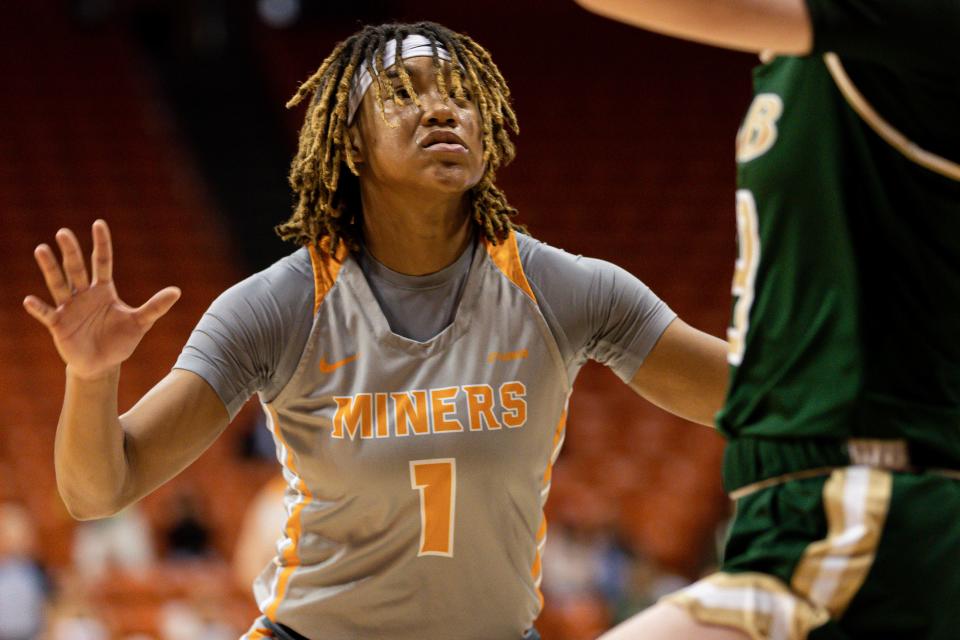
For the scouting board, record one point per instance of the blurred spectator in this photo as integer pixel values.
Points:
(72, 617)
(585, 568)
(123, 541)
(23, 585)
(183, 620)
(257, 442)
(188, 536)
(582, 562)
(648, 582)
(592, 578)
(262, 526)
(78, 627)
(583, 618)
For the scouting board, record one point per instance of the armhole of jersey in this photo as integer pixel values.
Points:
(884, 129)
(326, 267)
(289, 552)
(506, 257)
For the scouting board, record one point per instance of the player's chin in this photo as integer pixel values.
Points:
(453, 177)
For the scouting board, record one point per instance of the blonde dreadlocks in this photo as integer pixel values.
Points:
(323, 174)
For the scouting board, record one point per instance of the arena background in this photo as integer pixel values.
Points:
(167, 120)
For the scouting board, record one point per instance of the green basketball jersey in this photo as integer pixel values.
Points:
(846, 317)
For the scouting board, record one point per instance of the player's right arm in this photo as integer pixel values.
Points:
(105, 461)
(782, 26)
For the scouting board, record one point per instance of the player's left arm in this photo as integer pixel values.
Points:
(782, 26)
(685, 373)
(602, 312)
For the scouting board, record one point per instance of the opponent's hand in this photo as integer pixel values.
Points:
(93, 329)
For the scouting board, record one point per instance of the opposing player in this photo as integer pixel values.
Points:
(415, 358)
(844, 405)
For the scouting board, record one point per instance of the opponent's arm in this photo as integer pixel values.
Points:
(105, 461)
(782, 26)
(686, 373)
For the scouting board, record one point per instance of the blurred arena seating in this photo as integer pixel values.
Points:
(85, 136)
(621, 157)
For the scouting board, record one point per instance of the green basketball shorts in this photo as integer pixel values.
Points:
(854, 552)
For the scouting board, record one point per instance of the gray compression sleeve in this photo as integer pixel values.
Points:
(596, 310)
(251, 338)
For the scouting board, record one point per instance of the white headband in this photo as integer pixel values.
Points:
(414, 46)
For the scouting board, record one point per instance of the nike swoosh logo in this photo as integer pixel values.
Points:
(333, 366)
(504, 357)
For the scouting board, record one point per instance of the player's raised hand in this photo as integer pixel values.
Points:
(92, 328)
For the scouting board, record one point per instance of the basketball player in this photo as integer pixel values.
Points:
(414, 357)
(844, 406)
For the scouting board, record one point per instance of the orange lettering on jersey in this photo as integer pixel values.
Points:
(411, 414)
(506, 357)
(383, 421)
(353, 415)
(514, 406)
(424, 411)
(442, 403)
(480, 406)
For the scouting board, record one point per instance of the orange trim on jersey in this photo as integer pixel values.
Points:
(506, 256)
(537, 569)
(257, 633)
(326, 267)
(292, 529)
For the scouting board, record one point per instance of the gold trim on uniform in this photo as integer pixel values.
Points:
(884, 129)
(758, 604)
(832, 570)
(806, 474)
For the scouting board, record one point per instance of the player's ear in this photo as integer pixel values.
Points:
(354, 144)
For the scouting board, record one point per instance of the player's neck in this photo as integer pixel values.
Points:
(415, 236)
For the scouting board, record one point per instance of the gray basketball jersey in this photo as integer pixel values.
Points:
(417, 471)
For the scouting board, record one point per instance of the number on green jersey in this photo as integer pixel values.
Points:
(745, 273)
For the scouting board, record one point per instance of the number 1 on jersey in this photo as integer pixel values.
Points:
(437, 482)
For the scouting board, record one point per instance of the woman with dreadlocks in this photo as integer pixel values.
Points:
(414, 357)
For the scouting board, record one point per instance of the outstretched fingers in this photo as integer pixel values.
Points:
(44, 313)
(52, 274)
(102, 261)
(73, 264)
(155, 308)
